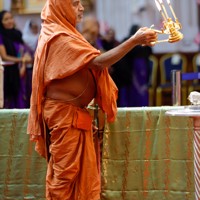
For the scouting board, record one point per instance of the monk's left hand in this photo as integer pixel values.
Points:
(94, 129)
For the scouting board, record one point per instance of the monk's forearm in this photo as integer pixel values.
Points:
(114, 55)
(143, 36)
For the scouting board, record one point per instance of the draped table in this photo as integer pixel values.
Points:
(22, 170)
(146, 155)
(194, 113)
(1, 86)
(2, 65)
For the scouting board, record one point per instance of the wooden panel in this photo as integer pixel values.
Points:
(34, 5)
(1, 5)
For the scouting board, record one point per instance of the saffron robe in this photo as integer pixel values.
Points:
(72, 170)
(61, 52)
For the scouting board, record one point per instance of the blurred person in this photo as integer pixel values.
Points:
(68, 74)
(30, 36)
(109, 40)
(91, 32)
(13, 51)
(133, 75)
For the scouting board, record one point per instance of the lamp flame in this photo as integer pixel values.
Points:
(158, 5)
(172, 10)
(161, 10)
(170, 26)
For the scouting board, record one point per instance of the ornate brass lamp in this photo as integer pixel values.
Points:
(170, 27)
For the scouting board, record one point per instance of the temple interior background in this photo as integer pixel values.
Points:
(121, 15)
(145, 153)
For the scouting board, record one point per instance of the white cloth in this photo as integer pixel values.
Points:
(29, 38)
(1, 85)
(194, 98)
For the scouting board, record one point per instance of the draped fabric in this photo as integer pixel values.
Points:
(146, 156)
(22, 171)
(61, 52)
(1, 86)
(72, 168)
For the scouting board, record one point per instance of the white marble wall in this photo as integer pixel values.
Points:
(122, 14)
(21, 19)
(6, 4)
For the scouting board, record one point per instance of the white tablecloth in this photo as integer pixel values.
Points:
(1, 87)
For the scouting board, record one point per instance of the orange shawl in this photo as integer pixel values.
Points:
(70, 53)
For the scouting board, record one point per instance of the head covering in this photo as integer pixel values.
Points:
(70, 53)
(29, 38)
(9, 36)
(59, 12)
(90, 29)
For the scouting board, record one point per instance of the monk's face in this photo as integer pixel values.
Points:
(78, 10)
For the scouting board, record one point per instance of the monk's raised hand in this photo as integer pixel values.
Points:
(145, 37)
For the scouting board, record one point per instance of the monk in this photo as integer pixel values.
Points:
(68, 74)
